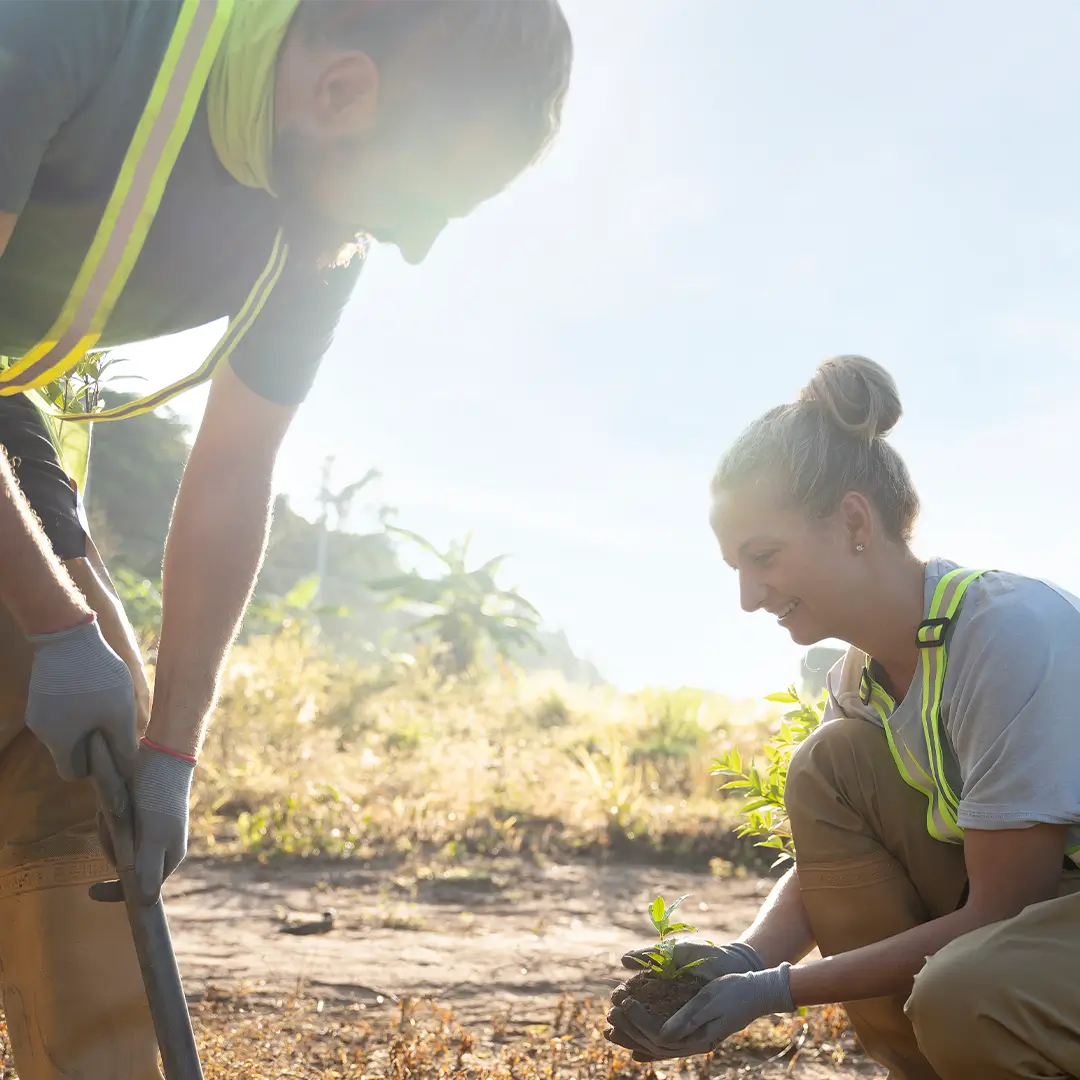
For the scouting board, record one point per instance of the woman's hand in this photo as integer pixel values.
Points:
(716, 960)
(720, 1009)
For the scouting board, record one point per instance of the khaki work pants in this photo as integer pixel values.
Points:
(1000, 1003)
(71, 987)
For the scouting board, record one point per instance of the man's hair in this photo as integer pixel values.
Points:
(509, 56)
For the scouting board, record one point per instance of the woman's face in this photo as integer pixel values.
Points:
(801, 570)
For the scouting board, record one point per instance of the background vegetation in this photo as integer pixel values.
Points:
(391, 695)
(392, 699)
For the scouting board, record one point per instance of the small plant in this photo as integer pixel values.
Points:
(763, 800)
(663, 986)
(661, 961)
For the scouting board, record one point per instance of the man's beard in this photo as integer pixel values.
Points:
(311, 233)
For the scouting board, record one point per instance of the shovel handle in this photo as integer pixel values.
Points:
(149, 927)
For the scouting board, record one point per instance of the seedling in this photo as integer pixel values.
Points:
(660, 961)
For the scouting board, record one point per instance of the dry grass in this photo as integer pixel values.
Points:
(305, 1039)
(248, 1037)
(307, 757)
(310, 758)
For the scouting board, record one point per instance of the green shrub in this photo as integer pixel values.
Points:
(763, 800)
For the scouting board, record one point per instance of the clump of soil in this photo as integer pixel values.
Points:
(663, 997)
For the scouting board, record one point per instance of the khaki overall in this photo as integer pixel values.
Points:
(1000, 1003)
(73, 995)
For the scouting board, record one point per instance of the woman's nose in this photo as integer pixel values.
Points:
(751, 592)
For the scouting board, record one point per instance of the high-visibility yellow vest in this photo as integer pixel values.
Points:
(128, 215)
(921, 762)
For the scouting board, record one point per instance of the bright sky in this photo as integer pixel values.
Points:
(740, 190)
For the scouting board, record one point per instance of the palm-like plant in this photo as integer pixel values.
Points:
(462, 609)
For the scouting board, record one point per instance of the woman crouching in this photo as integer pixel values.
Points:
(936, 812)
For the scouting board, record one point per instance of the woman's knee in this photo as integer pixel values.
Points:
(952, 1005)
(825, 763)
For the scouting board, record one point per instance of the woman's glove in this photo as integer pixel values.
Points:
(720, 1009)
(716, 960)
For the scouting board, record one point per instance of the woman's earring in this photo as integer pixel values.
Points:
(858, 547)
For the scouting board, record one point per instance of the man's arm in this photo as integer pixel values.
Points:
(213, 553)
(34, 586)
(78, 684)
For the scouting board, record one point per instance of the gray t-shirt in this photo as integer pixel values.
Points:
(1009, 703)
(74, 79)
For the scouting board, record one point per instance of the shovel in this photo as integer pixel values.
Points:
(149, 927)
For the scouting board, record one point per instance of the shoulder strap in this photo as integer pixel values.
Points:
(931, 637)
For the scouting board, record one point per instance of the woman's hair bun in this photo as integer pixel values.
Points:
(856, 394)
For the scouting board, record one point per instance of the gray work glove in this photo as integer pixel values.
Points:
(161, 799)
(718, 1010)
(78, 685)
(716, 960)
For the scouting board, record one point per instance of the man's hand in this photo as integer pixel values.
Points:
(716, 960)
(78, 685)
(720, 1009)
(161, 796)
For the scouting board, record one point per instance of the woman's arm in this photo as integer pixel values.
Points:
(1008, 870)
(781, 931)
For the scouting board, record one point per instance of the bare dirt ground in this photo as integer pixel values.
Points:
(501, 944)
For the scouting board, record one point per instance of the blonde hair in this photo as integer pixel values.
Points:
(830, 441)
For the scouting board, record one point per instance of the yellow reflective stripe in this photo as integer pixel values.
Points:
(933, 672)
(946, 604)
(926, 666)
(885, 705)
(934, 660)
(238, 326)
(933, 687)
(924, 784)
(938, 725)
(135, 198)
(939, 593)
(222, 10)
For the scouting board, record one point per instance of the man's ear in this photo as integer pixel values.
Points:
(347, 95)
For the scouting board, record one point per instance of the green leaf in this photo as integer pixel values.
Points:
(417, 539)
(783, 697)
(736, 759)
(303, 592)
(679, 928)
(677, 903)
(772, 842)
(692, 964)
(754, 804)
(656, 912)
